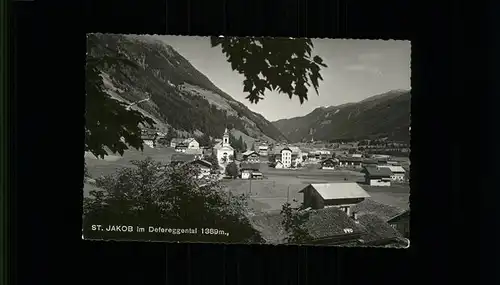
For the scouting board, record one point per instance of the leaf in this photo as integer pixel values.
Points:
(284, 64)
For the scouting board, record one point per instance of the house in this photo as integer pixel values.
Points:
(329, 226)
(250, 170)
(332, 226)
(377, 176)
(398, 172)
(178, 158)
(263, 150)
(189, 143)
(279, 165)
(223, 150)
(342, 195)
(181, 147)
(377, 232)
(354, 162)
(149, 139)
(296, 154)
(175, 141)
(329, 163)
(401, 223)
(286, 157)
(369, 162)
(204, 166)
(192, 143)
(251, 156)
(383, 211)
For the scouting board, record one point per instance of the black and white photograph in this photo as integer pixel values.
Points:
(247, 140)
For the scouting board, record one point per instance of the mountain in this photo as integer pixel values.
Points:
(383, 115)
(171, 91)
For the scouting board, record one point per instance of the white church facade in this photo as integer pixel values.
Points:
(223, 150)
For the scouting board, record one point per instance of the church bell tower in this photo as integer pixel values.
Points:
(225, 138)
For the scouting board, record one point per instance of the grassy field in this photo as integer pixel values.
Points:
(110, 164)
(271, 193)
(268, 194)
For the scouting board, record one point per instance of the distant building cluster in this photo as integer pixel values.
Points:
(379, 169)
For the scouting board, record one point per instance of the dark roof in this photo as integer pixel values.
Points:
(398, 217)
(177, 140)
(202, 162)
(370, 161)
(377, 171)
(251, 166)
(251, 152)
(329, 160)
(369, 206)
(182, 157)
(377, 230)
(285, 148)
(329, 222)
(322, 224)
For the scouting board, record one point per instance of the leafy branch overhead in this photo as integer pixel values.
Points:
(109, 123)
(282, 65)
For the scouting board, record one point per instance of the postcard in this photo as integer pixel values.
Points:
(247, 140)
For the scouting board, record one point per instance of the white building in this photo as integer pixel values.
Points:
(286, 157)
(377, 176)
(246, 174)
(224, 151)
(398, 172)
(263, 150)
(192, 143)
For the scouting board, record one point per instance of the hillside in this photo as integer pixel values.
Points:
(383, 115)
(180, 96)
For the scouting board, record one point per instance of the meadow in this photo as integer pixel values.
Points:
(282, 185)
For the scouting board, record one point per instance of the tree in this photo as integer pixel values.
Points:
(157, 195)
(204, 140)
(253, 146)
(245, 147)
(232, 170)
(282, 65)
(213, 160)
(240, 144)
(110, 124)
(294, 223)
(170, 134)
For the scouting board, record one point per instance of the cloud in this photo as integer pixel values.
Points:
(363, 68)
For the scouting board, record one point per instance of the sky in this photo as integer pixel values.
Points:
(357, 69)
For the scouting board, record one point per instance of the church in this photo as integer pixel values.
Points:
(223, 150)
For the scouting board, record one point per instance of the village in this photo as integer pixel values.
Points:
(355, 196)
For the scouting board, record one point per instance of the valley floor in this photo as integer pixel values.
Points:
(280, 185)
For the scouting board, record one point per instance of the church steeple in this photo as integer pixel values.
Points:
(225, 138)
